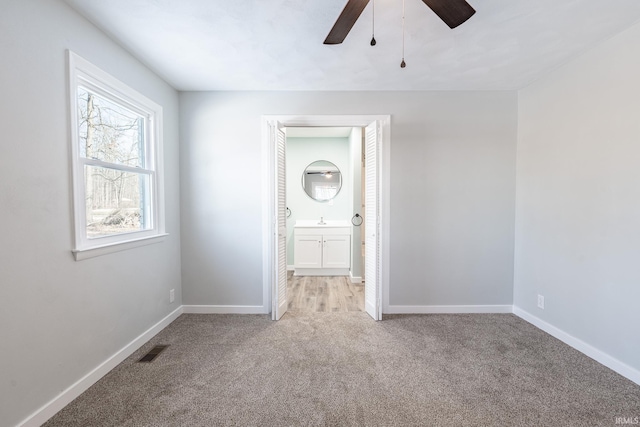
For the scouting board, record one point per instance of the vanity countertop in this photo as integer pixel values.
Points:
(312, 223)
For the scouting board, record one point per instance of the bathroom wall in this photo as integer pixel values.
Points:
(355, 147)
(300, 153)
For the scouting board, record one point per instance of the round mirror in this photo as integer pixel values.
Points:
(322, 180)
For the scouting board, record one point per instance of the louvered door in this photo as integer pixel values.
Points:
(372, 223)
(280, 250)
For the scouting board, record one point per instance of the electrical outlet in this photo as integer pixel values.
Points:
(541, 302)
(172, 295)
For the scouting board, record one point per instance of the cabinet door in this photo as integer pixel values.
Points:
(307, 252)
(336, 252)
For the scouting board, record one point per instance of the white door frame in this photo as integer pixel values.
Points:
(268, 198)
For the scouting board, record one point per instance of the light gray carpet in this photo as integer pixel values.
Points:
(328, 369)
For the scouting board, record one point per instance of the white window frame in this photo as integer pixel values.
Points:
(83, 73)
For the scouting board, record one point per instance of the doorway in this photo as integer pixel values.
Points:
(323, 197)
(377, 141)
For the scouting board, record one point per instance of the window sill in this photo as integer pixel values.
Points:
(81, 254)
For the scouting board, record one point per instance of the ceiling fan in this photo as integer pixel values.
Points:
(452, 12)
(327, 173)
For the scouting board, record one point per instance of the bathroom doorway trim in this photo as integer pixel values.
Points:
(269, 199)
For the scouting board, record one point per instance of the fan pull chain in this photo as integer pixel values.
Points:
(403, 64)
(373, 23)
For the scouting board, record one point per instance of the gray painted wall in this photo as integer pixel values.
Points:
(77, 314)
(578, 198)
(452, 191)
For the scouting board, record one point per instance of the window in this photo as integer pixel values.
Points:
(117, 163)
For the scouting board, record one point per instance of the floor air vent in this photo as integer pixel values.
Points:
(153, 353)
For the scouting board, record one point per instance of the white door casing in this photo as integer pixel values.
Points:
(378, 296)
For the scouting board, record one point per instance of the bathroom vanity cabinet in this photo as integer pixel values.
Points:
(322, 250)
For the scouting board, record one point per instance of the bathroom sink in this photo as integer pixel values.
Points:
(327, 223)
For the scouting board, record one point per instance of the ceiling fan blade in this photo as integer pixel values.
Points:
(452, 12)
(345, 21)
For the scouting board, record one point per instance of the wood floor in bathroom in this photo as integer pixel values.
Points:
(324, 294)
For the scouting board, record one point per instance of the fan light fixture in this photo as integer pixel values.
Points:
(373, 22)
(403, 64)
(452, 12)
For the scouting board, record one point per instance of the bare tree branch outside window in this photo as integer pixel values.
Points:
(114, 135)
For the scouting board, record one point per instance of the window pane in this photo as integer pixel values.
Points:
(324, 191)
(116, 201)
(108, 131)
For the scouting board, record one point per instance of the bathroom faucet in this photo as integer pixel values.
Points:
(321, 221)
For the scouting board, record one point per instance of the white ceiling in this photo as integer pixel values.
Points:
(277, 44)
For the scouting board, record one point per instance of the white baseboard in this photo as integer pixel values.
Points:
(446, 309)
(290, 267)
(321, 272)
(47, 411)
(587, 349)
(355, 279)
(225, 309)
